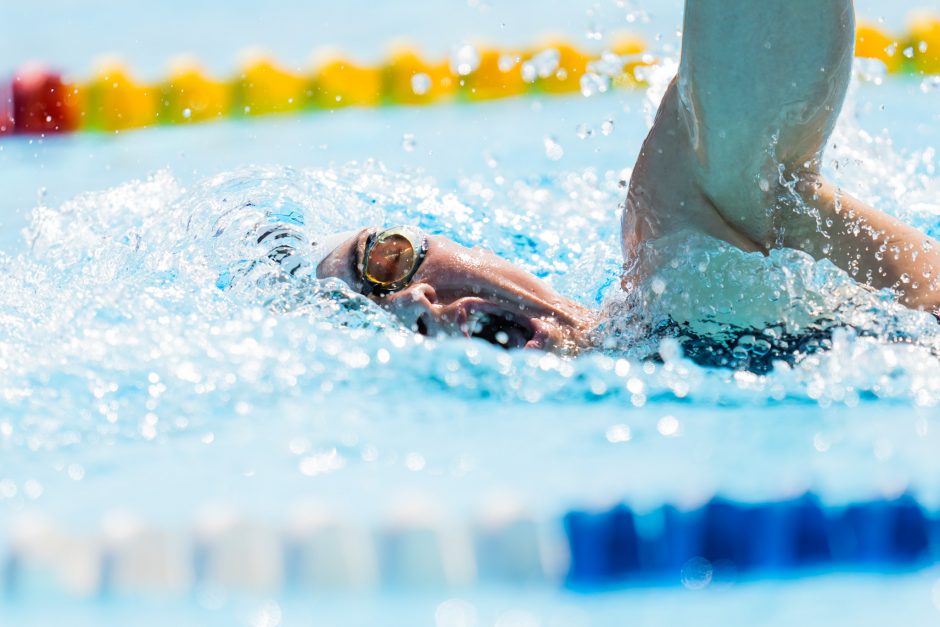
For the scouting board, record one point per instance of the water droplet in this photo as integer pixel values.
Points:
(408, 142)
(593, 84)
(464, 60)
(618, 434)
(455, 613)
(668, 426)
(607, 127)
(583, 131)
(32, 489)
(507, 62)
(415, 462)
(420, 83)
(930, 84)
(553, 149)
(75, 472)
(542, 65)
(697, 573)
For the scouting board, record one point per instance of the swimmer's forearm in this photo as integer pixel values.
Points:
(873, 247)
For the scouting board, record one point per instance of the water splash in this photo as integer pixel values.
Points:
(148, 310)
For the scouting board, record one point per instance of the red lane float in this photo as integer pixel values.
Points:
(6, 110)
(43, 103)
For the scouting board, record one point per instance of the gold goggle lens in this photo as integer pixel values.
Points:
(391, 260)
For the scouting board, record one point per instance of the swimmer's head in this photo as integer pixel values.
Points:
(438, 287)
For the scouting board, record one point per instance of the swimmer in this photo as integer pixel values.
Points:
(734, 153)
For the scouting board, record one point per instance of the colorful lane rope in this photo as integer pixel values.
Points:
(420, 548)
(40, 101)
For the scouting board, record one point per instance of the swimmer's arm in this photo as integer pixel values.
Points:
(760, 86)
(875, 248)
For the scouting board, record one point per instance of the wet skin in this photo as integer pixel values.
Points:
(474, 293)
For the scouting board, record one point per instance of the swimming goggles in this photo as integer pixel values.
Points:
(391, 259)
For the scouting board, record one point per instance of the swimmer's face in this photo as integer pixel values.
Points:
(470, 292)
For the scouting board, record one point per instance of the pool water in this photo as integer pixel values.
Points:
(862, 600)
(138, 394)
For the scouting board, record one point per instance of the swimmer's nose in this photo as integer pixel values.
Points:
(415, 306)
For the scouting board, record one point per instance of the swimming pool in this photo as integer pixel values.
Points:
(149, 414)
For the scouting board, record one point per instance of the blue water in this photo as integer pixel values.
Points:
(132, 387)
(859, 600)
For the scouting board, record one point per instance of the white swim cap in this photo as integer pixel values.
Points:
(325, 245)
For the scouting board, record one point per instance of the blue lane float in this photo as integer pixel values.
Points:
(619, 546)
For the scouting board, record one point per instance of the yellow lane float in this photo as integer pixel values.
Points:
(264, 88)
(189, 96)
(338, 82)
(409, 79)
(556, 67)
(924, 44)
(115, 102)
(489, 73)
(873, 43)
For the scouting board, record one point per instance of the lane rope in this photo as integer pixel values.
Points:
(420, 546)
(38, 101)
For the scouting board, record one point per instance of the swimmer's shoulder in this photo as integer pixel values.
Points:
(665, 193)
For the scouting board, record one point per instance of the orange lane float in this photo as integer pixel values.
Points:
(38, 101)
